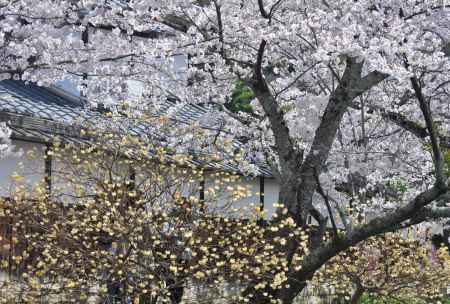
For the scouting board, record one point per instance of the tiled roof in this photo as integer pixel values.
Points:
(39, 102)
(41, 113)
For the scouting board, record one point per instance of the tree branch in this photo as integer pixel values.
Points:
(369, 81)
(351, 85)
(220, 27)
(259, 59)
(262, 10)
(327, 203)
(437, 154)
(63, 62)
(429, 214)
(317, 237)
(403, 122)
(289, 159)
(378, 225)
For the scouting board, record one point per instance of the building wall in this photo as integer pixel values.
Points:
(271, 192)
(32, 169)
(62, 177)
(223, 195)
(216, 187)
(179, 181)
(251, 186)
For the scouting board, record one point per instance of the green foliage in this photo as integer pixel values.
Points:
(240, 99)
(445, 301)
(399, 185)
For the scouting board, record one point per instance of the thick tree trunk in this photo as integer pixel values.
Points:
(288, 295)
(297, 176)
(176, 294)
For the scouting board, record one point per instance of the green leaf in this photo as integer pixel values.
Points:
(240, 99)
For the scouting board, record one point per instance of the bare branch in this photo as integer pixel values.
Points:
(427, 11)
(17, 71)
(403, 122)
(274, 7)
(303, 73)
(220, 26)
(259, 60)
(437, 154)
(262, 10)
(369, 81)
(327, 203)
(317, 237)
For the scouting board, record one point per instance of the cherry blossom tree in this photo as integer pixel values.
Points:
(350, 107)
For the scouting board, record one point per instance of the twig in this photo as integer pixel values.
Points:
(327, 203)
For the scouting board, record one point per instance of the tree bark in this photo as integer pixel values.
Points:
(297, 175)
(357, 294)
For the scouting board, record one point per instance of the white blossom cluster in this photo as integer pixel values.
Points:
(5, 141)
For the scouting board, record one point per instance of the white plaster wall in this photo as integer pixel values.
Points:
(65, 178)
(223, 200)
(31, 169)
(62, 187)
(271, 192)
(219, 198)
(181, 180)
(253, 200)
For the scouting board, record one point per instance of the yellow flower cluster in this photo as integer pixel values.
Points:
(119, 217)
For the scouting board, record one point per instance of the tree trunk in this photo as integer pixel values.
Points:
(286, 295)
(356, 297)
(446, 235)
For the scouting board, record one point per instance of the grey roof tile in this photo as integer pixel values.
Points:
(40, 103)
